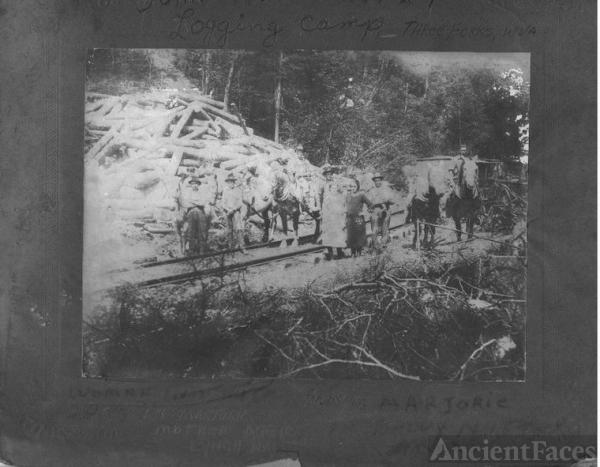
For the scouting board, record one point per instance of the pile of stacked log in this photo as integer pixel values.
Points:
(137, 147)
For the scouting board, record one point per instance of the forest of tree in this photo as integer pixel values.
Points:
(367, 110)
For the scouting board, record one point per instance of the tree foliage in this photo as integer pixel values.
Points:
(366, 110)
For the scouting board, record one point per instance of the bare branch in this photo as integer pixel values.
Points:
(351, 362)
(294, 326)
(328, 309)
(427, 360)
(366, 331)
(276, 347)
(477, 351)
(351, 285)
(339, 328)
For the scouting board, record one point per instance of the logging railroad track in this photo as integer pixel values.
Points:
(224, 262)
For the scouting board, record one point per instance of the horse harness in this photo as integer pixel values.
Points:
(460, 190)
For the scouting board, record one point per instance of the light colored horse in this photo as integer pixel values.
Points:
(464, 201)
(292, 197)
(424, 206)
(259, 198)
(277, 194)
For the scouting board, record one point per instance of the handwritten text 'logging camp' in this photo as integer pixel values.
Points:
(215, 32)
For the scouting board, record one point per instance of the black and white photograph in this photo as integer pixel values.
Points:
(306, 214)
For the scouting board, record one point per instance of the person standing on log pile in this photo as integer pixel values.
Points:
(189, 196)
(232, 204)
(381, 197)
(333, 210)
(355, 221)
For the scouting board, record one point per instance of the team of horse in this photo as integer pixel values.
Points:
(464, 202)
(284, 196)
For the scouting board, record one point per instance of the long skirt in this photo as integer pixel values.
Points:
(357, 231)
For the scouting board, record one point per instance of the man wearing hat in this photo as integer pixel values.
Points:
(455, 170)
(458, 163)
(232, 204)
(191, 195)
(381, 197)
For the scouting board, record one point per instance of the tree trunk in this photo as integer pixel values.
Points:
(328, 144)
(239, 86)
(406, 99)
(229, 80)
(459, 129)
(427, 81)
(278, 97)
(205, 69)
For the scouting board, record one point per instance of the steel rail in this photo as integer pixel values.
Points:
(226, 269)
(238, 266)
(272, 244)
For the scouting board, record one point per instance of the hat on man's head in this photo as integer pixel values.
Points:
(376, 176)
(194, 181)
(463, 147)
(231, 178)
(327, 169)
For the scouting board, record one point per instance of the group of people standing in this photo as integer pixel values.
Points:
(343, 223)
(342, 202)
(230, 198)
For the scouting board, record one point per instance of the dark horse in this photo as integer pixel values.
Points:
(281, 196)
(291, 198)
(425, 207)
(194, 232)
(464, 202)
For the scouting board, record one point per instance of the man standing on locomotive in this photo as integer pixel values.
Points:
(381, 197)
(232, 204)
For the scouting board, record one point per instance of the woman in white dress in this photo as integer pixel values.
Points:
(333, 213)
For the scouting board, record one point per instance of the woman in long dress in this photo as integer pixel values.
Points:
(333, 213)
(355, 221)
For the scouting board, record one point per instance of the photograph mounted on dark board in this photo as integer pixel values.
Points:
(305, 214)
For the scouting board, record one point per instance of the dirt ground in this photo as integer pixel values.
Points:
(131, 244)
(316, 271)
